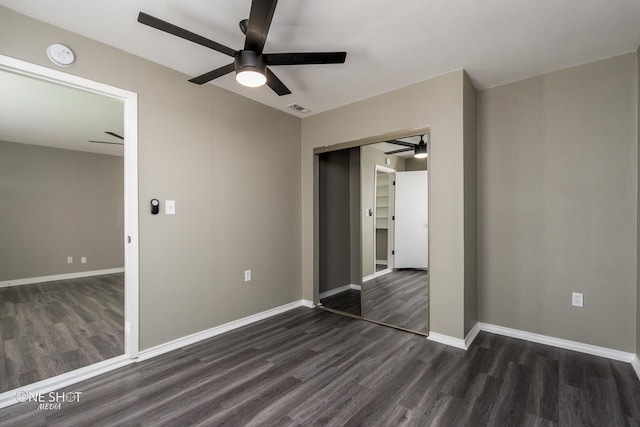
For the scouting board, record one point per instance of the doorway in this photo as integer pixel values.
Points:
(128, 236)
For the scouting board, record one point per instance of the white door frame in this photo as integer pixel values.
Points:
(380, 168)
(130, 237)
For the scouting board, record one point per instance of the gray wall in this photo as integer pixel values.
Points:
(557, 203)
(336, 215)
(231, 215)
(58, 203)
(437, 102)
(413, 164)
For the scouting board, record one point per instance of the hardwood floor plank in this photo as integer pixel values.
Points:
(543, 393)
(573, 406)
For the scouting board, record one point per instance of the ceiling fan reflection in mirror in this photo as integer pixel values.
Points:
(419, 149)
(251, 65)
(112, 142)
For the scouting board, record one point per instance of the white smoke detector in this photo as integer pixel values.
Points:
(61, 55)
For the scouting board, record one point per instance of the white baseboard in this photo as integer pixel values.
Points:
(471, 336)
(447, 340)
(308, 304)
(376, 274)
(381, 261)
(339, 290)
(217, 330)
(65, 276)
(635, 363)
(48, 385)
(559, 342)
(463, 344)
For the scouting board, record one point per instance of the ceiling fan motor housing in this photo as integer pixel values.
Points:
(248, 60)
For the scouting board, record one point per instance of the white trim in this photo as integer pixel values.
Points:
(8, 398)
(471, 336)
(635, 363)
(377, 274)
(308, 304)
(130, 237)
(339, 290)
(369, 277)
(456, 342)
(559, 342)
(447, 340)
(381, 262)
(65, 276)
(384, 169)
(216, 330)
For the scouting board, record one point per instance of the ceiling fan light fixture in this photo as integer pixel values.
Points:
(250, 78)
(420, 150)
(250, 69)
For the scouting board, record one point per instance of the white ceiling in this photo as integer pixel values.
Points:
(42, 113)
(390, 44)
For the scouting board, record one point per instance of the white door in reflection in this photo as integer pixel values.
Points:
(411, 220)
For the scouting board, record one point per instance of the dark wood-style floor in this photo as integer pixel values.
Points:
(399, 298)
(50, 328)
(348, 301)
(311, 367)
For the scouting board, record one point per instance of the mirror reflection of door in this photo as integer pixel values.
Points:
(395, 292)
(61, 229)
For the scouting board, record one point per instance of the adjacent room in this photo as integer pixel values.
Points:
(317, 213)
(62, 258)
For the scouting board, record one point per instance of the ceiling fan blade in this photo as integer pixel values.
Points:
(403, 143)
(305, 58)
(105, 142)
(398, 151)
(218, 72)
(165, 26)
(274, 83)
(114, 134)
(259, 22)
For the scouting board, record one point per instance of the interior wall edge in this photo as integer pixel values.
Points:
(638, 207)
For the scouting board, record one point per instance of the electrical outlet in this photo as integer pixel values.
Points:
(247, 275)
(577, 299)
(69, 260)
(83, 260)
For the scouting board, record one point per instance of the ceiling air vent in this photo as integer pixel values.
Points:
(299, 108)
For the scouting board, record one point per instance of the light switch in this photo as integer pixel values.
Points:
(170, 207)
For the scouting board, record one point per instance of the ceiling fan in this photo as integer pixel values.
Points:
(107, 142)
(251, 65)
(419, 149)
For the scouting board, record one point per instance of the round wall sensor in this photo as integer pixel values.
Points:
(387, 161)
(60, 55)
